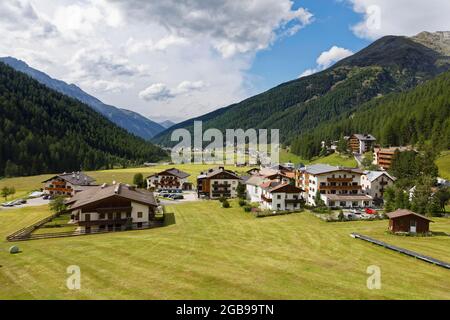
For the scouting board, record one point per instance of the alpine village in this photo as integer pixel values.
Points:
(363, 178)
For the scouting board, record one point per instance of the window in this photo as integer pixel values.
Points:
(139, 215)
(128, 214)
(278, 196)
(101, 216)
(139, 224)
(332, 203)
(342, 203)
(278, 206)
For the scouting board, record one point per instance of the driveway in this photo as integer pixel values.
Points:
(36, 202)
(188, 197)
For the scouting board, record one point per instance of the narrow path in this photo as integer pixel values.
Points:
(401, 250)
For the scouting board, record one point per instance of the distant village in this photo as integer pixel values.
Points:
(273, 189)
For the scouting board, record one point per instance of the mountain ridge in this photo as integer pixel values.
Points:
(43, 130)
(390, 64)
(129, 120)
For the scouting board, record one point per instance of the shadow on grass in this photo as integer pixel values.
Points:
(169, 219)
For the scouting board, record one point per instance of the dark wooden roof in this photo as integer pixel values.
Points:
(172, 172)
(403, 213)
(103, 192)
(75, 178)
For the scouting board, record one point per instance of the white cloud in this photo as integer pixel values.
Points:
(335, 54)
(400, 17)
(327, 59)
(114, 49)
(157, 91)
(232, 26)
(160, 91)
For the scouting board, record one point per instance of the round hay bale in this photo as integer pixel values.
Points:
(14, 250)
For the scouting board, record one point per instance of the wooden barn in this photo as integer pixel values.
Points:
(403, 220)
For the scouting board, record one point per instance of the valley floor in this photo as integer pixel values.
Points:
(216, 253)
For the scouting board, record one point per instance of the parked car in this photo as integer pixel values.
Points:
(8, 204)
(46, 197)
(177, 197)
(164, 192)
(166, 195)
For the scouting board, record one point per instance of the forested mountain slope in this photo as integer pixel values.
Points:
(413, 117)
(131, 121)
(390, 64)
(44, 131)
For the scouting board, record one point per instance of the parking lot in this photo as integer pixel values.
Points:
(189, 196)
(35, 202)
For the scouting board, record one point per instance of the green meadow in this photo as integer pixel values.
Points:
(215, 253)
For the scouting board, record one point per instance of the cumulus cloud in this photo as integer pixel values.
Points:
(157, 91)
(327, 59)
(160, 91)
(20, 19)
(232, 26)
(400, 17)
(114, 49)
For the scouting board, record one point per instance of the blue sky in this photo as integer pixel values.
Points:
(290, 56)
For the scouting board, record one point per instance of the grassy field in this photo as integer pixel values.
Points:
(443, 163)
(215, 253)
(335, 159)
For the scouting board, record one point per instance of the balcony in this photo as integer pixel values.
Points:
(114, 209)
(102, 222)
(358, 187)
(220, 194)
(293, 201)
(340, 179)
(221, 185)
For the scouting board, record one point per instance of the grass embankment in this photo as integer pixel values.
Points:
(443, 163)
(216, 253)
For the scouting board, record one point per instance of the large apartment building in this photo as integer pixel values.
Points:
(169, 179)
(338, 186)
(112, 208)
(383, 156)
(361, 143)
(67, 184)
(217, 183)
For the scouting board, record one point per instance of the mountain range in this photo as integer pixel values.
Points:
(390, 64)
(43, 130)
(131, 121)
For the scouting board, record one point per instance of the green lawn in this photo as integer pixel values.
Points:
(335, 159)
(215, 253)
(286, 157)
(443, 163)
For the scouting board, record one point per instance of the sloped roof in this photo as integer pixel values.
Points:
(320, 168)
(373, 175)
(256, 180)
(172, 171)
(403, 213)
(364, 137)
(99, 193)
(285, 187)
(213, 172)
(75, 178)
